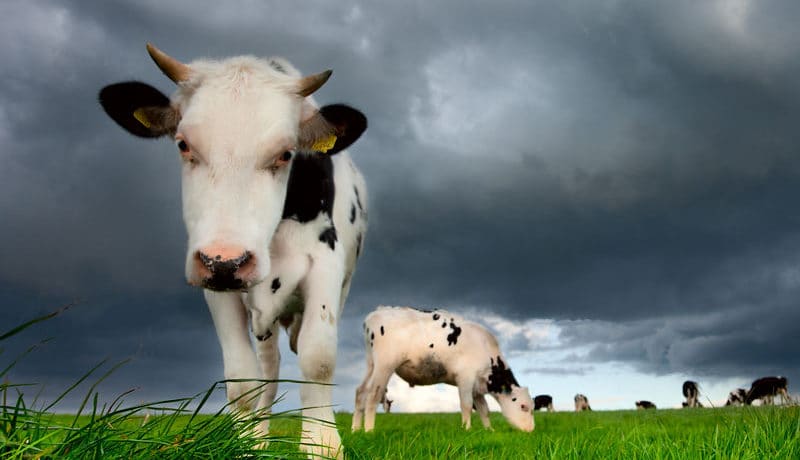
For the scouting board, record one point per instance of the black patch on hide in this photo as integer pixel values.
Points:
(358, 199)
(311, 190)
(501, 379)
(452, 338)
(329, 236)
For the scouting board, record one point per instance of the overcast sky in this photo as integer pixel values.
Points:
(611, 186)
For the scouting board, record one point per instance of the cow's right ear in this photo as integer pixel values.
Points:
(139, 108)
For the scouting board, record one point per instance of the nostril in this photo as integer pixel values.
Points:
(203, 264)
(246, 265)
(205, 260)
(241, 260)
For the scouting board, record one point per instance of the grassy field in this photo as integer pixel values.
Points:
(740, 433)
(728, 433)
(176, 429)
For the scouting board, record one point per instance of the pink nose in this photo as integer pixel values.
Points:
(224, 268)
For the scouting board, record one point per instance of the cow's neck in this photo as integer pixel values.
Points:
(501, 379)
(310, 190)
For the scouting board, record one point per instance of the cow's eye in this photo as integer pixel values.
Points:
(186, 152)
(280, 161)
(513, 399)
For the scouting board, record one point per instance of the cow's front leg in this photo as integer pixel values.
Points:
(266, 302)
(483, 409)
(230, 320)
(465, 396)
(269, 357)
(316, 351)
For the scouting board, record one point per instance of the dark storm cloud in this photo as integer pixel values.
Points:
(634, 165)
(748, 342)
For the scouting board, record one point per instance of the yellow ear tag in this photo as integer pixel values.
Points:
(323, 145)
(141, 117)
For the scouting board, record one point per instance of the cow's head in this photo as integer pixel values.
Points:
(517, 407)
(237, 125)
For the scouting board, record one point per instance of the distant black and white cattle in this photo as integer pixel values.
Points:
(543, 402)
(691, 391)
(766, 388)
(430, 347)
(386, 402)
(640, 405)
(684, 404)
(581, 403)
(736, 397)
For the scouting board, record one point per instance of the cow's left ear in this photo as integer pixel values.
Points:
(332, 129)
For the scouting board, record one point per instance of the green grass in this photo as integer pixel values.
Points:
(725, 433)
(177, 430)
(729, 433)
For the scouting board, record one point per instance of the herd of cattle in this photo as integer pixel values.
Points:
(276, 215)
(764, 389)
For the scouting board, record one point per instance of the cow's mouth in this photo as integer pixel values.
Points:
(227, 283)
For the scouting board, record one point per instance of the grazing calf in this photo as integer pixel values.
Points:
(766, 388)
(430, 347)
(581, 403)
(543, 402)
(691, 391)
(275, 214)
(736, 397)
(640, 405)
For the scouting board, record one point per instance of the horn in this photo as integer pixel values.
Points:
(172, 68)
(307, 85)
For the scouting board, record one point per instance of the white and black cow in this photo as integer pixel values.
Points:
(543, 402)
(684, 404)
(581, 403)
(430, 347)
(766, 388)
(642, 405)
(736, 397)
(274, 209)
(691, 391)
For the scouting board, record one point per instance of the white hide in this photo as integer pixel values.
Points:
(423, 349)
